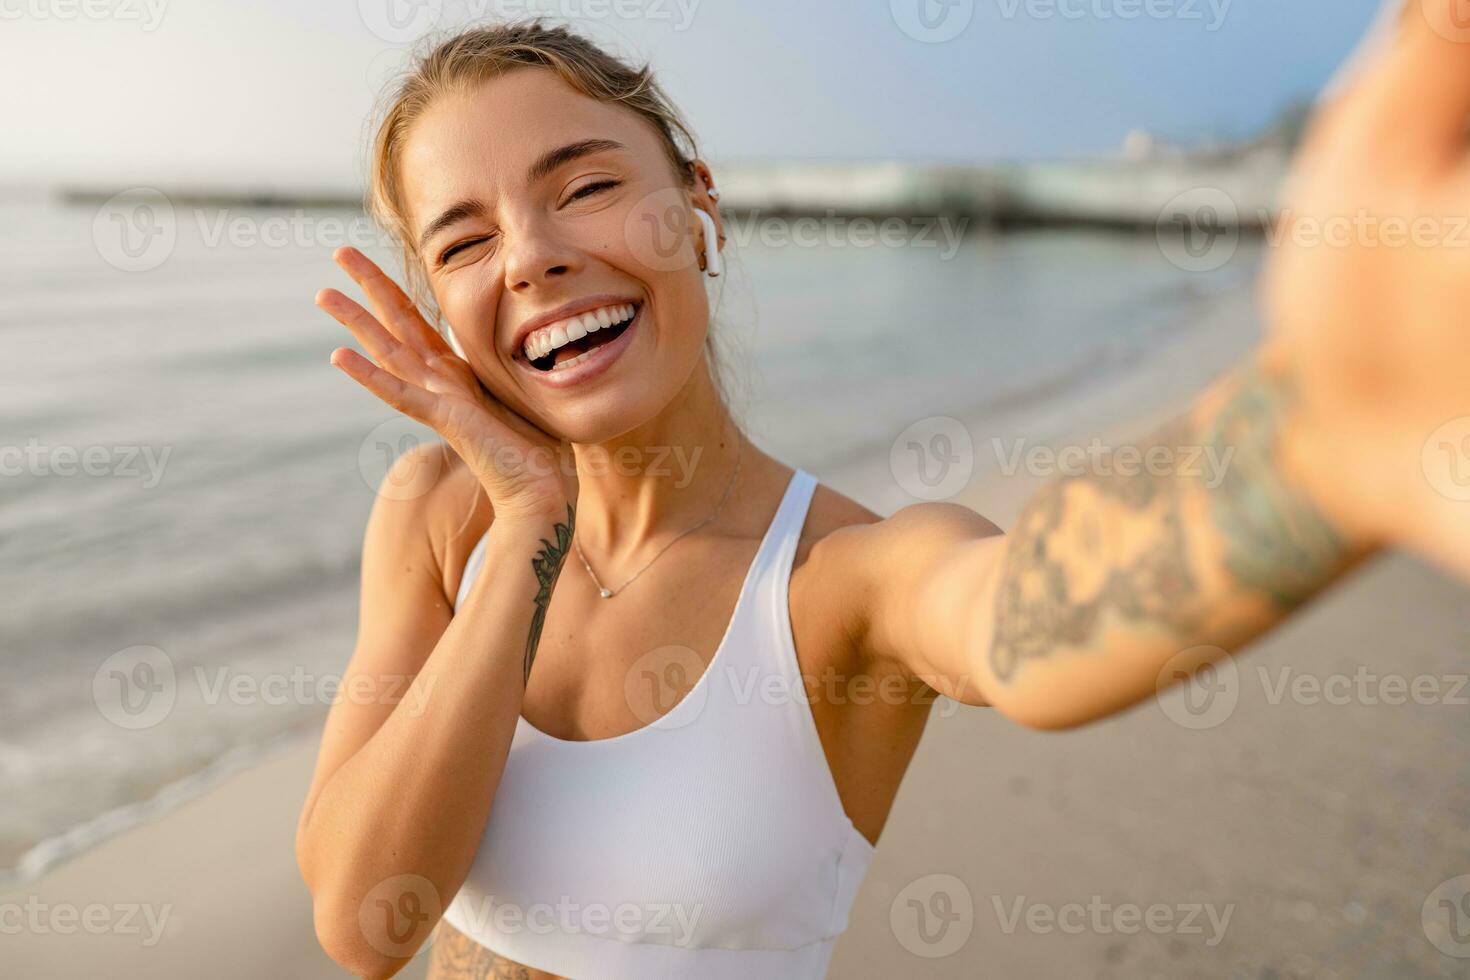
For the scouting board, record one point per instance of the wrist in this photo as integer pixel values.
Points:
(540, 517)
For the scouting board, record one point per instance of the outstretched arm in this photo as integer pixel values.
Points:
(1350, 430)
(1111, 585)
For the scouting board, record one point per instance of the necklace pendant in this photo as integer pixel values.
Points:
(606, 593)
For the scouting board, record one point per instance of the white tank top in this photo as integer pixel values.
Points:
(710, 844)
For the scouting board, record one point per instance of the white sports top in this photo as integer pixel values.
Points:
(710, 844)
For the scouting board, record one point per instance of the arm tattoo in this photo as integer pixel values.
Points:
(547, 567)
(1276, 542)
(1044, 603)
(1107, 543)
(458, 957)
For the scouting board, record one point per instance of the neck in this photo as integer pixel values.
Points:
(658, 479)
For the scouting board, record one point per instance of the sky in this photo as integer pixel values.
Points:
(278, 94)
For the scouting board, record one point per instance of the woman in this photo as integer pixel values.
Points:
(628, 781)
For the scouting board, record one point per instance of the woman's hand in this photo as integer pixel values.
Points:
(1368, 293)
(522, 468)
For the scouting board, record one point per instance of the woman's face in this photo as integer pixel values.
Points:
(533, 205)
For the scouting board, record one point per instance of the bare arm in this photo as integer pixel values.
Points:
(1107, 579)
(1342, 433)
(406, 778)
(404, 786)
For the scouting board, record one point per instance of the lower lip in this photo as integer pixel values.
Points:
(597, 362)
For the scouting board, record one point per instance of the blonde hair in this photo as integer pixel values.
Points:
(479, 54)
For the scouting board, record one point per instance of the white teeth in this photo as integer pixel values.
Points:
(548, 339)
(569, 362)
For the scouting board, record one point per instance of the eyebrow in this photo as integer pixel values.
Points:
(546, 164)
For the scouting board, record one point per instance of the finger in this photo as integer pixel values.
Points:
(385, 348)
(1408, 102)
(393, 306)
(408, 399)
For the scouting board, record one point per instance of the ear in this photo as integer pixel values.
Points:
(706, 196)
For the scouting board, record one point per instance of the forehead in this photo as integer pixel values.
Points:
(478, 143)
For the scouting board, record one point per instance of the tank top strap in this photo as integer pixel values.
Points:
(785, 530)
(772, 628)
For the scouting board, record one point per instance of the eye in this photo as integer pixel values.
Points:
(593, 188)
(458, 247)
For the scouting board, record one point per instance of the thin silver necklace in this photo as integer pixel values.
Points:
(607, 593)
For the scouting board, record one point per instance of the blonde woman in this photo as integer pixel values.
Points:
(548, 810)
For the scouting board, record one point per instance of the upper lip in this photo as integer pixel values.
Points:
(584, 305)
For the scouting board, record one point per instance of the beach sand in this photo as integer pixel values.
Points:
(1290, 839)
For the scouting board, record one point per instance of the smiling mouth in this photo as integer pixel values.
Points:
(574, 352)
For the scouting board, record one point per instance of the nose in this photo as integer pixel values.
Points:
(535, 258)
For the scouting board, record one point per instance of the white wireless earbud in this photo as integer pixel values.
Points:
(712, 264)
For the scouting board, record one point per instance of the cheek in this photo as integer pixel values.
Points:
(468, 302)
(650, 241)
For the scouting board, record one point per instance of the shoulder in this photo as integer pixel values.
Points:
(429, 514)
(847, 535)
(858, 562)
